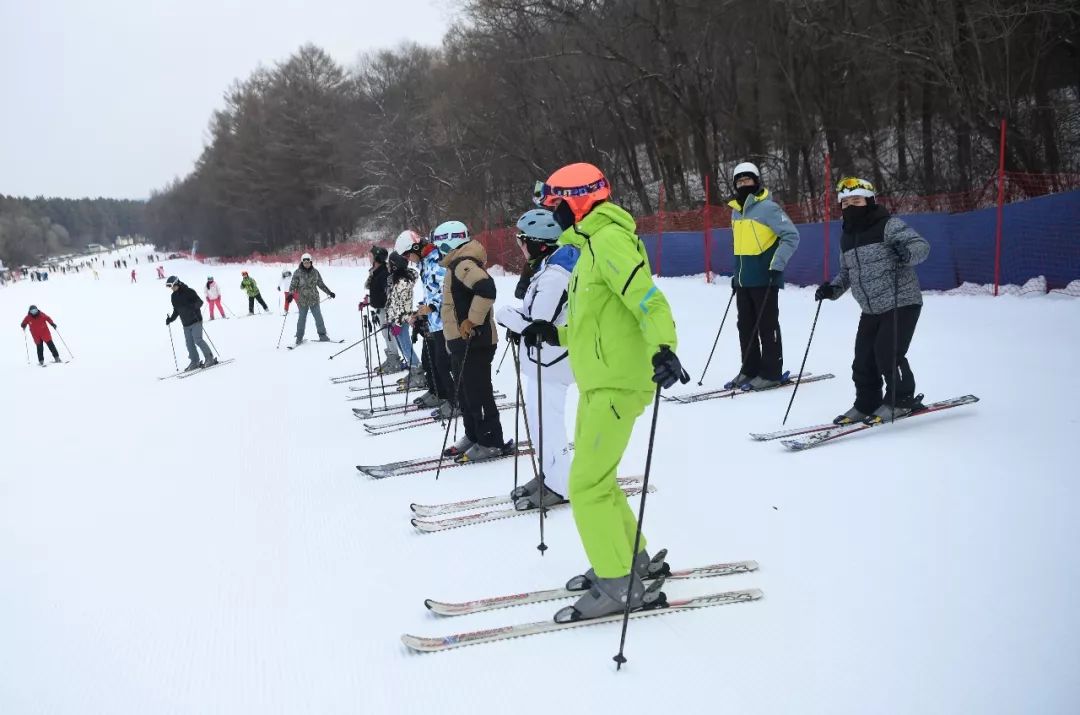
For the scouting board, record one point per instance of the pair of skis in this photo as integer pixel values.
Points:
(490, 635)
(305, 342)
(184, 374)
(802, 438)
(428, 464)
(400, 425)
(703, 395)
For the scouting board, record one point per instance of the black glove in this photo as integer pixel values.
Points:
(420, 325)
(540, 331)
(667, 370)
(826, 290)
(775, 277)
(513, 337)
(332, 294)
(168, 319)
(903, 253)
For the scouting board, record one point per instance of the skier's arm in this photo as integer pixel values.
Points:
(550, 295)
(477, 280)
(898, 232)
(318, 277)
(511, 318)
(842, 281)
(787, 235)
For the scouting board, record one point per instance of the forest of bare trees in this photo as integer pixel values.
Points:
(909, 93)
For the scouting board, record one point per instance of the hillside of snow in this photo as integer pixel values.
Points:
(207, 546)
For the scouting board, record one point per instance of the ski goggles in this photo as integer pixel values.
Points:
(545, 194)
(445, 241)
(849, 183)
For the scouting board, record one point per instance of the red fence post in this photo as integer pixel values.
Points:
(1000, 207)
(660, 232)
(826, 195)
(708, 234)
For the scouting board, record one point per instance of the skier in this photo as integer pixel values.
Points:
(305, 285)
(545, 299)
(877, 252)
(283, 286)
(427, 320)
(132, 275)
(618, 322)
(249, 286)
(764, 240)
(39, 331)
(213, 297)
(187, 305)
(472, 339)
(160, 272)
(377, 283)
(399, 308)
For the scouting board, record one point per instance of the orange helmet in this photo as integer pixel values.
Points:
(581, 186)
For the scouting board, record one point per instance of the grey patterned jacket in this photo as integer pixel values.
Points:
(870, 267)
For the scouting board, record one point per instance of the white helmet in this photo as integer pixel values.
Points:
(745, 169)
(449, 235)
(305, 257)
(408, 241)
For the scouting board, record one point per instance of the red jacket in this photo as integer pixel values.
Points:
(39, 326)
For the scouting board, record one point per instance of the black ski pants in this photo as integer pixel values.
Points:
(436, 361)
(251, 302)
(874, 355)
(760, 341)
(476, 397)
(41, 350)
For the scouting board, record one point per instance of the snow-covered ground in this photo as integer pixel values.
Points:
(206, 545)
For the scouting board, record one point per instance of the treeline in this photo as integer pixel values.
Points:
(909, 93)
(31, 229)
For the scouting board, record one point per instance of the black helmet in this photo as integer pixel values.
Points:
(33, 310)
(379, 254)
(398, 261)
(171, 281)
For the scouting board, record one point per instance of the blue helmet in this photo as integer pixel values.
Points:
(449, 235)
(539, 225)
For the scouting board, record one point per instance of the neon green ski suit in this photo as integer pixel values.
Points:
(617, 320)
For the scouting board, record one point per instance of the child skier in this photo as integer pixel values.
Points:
(283, 286)
(249, 286)
(618, 322)
(545, 299)
(213, 297)
(39, 332)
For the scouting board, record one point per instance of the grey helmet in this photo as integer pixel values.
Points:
(538, 225)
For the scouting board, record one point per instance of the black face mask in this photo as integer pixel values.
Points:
(855, 216)
(743, 192)
(537, 250)
(563, 215)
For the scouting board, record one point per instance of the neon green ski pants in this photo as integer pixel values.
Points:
(605, 521)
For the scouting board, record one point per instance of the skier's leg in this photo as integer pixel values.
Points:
(258, 297)
(907, 317)
(189, 341)
(197, 338)
(605, 522)
(251, 304)
(444, 381)
(557, 456)
(392, 352)
(772, 351)
(52, 349)
(40, 345)
(320, 327)
(864, 368)
(301, 321)
(482, 396)
(746, 309)
(463, 391)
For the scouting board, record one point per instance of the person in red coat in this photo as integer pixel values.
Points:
(39, 330)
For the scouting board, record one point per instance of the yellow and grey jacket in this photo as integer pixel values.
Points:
(764, 239)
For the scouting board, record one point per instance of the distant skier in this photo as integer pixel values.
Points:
(187, 305)
(545, 299)
(39, 332)
(877, 252)
(133, 276)
(305, 285)
(469, 327)
(764, 240)
(283, 287)
(249, 286)
(213, 297)
(161, 272)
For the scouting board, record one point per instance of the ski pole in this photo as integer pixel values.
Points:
(503, 358)
(517, 412)
(225, 305)
(26, 345)
(64, 342)
(803, 366)
(211, 341)
(454, 407)
(282, 333)
(717, 340)
(528, 429)
(382, 382)
(895, 339)
(348, 348)
(173, 344)
(409, 370)
(542, 547)
(619, 657)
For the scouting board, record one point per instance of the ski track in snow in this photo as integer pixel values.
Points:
(206, 545)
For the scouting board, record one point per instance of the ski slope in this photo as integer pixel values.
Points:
(206, 545)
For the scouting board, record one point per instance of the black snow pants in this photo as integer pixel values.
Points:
(874, 358)
(477, 399)
(760, 343)
(436, 362)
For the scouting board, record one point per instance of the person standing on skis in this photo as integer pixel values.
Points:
(305, 285)
(249, 286)
(399, 309)
(877, 252)
(187, 305)
(621, 339)
(377, 285)
(283, 286)
(434, 356)
(764, 240)
(545, 299)
(213, 297)
(39, 323)
(472, 339)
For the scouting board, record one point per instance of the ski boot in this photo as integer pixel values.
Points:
(41, 363)
(193, 366)
(298, 339)
(443, 412)
(56, 358)
(525, 489)
(210, 363)
(480, 453)
(645, 567)
(458, 448)
(533, 500)
(324, 338)
(760, 383)
(850, 417)
(609, 596)
(736, 382)
(886, 413)
(430, 399)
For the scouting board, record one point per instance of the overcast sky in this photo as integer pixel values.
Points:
(113, 97)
